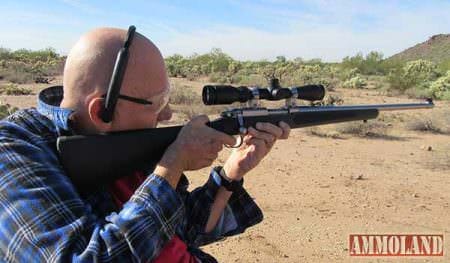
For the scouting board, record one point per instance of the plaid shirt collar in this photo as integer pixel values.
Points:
(48, 103)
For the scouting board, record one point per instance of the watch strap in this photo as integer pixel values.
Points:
(231, 186)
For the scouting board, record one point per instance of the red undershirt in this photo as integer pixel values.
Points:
(174, 251)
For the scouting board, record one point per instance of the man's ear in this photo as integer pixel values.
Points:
(95, 110)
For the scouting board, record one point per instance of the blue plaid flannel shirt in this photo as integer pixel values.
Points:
(43, 218)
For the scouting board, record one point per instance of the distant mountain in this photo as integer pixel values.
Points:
(436, 49)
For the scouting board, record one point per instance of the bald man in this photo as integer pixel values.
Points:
(147, 215)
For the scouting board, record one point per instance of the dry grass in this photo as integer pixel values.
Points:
(375, 128)
(184, 95)
(189, 103)
(13, 89)
(316, 131)
(435, 123)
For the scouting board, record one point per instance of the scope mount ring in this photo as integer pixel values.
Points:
(254, 102)
(292, 101)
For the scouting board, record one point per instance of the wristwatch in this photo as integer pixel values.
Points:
(226, 182)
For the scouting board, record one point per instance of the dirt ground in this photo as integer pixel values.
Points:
(315, 191)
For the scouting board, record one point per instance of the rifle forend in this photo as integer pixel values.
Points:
(93, 160)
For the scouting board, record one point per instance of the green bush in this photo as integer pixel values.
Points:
(440, 88)
(355, 83)
(371, 64)
(24, 66)
(6, 110)
(420, 70)
(346, 74)
(416, 75)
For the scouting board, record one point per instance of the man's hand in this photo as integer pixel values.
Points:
(256, 145)
(196, 147)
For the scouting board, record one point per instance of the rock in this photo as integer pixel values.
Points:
(427, 148)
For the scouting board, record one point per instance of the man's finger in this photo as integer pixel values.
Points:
(199, 120)
(216, 146)
(267, 137)
(286, 130)
(260, 144)
(270, 128)
(221, 137)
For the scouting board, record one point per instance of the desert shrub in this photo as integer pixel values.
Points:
(251, 79)
(218, 77)
(437, 123)
(357, 82)
(6, 110)
(418, 93)
(13, 89)
(415, 74)
(444, 66)
(371, 64)
(346, 74)
(184, 95)
(379, 85)
(364, 129)
(316, 131)
(329, 100)
(420, 70)
(23, 66)
(441, 87)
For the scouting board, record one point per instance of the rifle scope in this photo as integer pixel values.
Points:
(226, 94)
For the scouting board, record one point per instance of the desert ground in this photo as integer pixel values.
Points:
(316, 188)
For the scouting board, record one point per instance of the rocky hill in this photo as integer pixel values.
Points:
(436, 49)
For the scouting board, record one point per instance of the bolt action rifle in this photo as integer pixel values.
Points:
(93, 160)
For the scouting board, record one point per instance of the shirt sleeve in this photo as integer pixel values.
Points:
(240, 213)
(43, 218)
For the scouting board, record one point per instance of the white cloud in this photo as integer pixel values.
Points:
(324, 29)
(340, 29)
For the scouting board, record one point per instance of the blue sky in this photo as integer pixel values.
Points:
(262, 29)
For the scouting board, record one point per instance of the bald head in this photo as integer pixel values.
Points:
(90, 63)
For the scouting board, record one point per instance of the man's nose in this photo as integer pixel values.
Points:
(165, 114)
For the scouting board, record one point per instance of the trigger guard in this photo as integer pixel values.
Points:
(238, 144)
